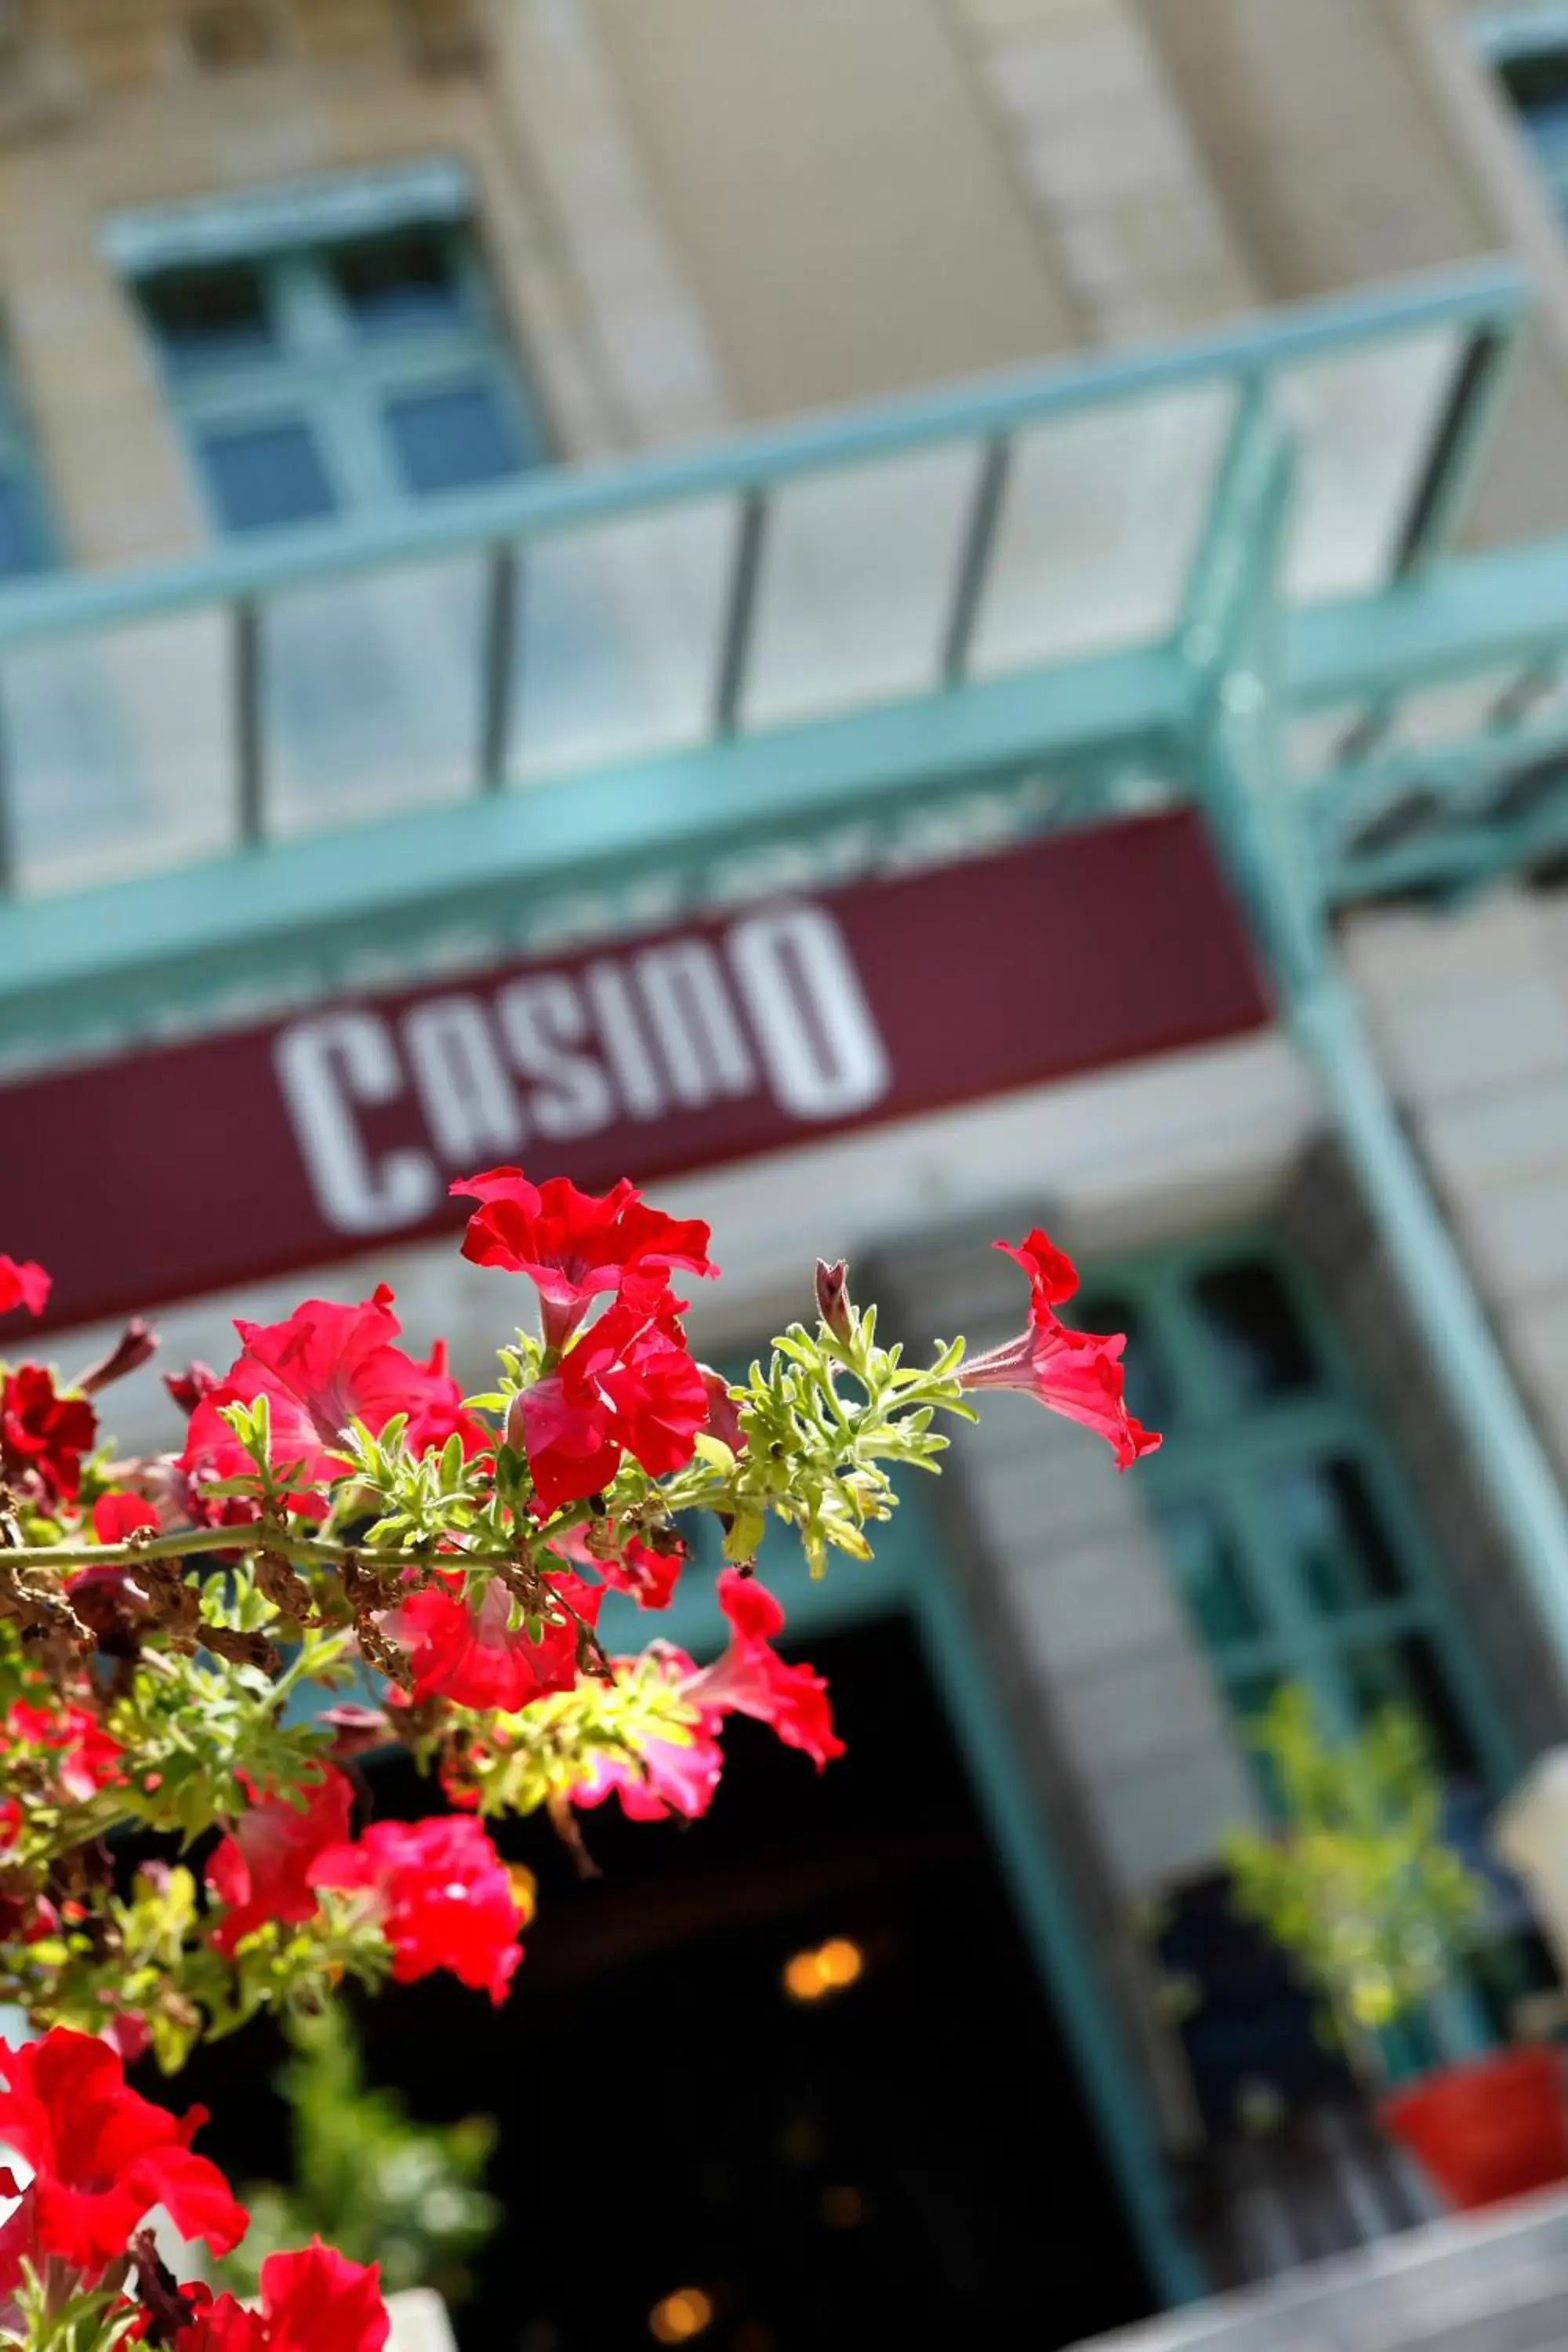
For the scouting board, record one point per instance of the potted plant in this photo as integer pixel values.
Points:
(374, 2183)
(1358, 1884)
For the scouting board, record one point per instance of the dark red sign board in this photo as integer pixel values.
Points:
(169, 1172)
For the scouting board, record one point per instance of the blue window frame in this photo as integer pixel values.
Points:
(1288, 1526)
(1294, 1540)
(1527, 50)
(26, 543)
(330, 377)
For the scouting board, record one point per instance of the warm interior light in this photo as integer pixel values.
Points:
(680, 2315)
(808, 1976)
(839, 1961)
(842, 2209)
(803, 1977)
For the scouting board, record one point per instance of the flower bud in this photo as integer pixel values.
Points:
(354, 1728)
(189, 1387)
(833, 1300)
(723, 1421)
(136, 1346)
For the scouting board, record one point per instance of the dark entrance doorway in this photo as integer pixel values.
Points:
(905, 2159)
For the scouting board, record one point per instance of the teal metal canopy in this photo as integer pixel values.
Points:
(591, 680)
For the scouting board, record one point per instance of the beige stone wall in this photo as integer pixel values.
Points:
(831, 176)
(1345, 138)
(138, 123)
(1080, 96)
(1469, 1011)
(634, 299)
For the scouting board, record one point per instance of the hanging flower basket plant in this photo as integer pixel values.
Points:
(339, 1516)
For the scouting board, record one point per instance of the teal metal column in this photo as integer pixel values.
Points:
(1233, 645)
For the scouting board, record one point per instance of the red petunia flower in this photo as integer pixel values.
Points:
(261, 1870)
(1076, 1373)
(102, 2155)
(118, 1515)
(312, 2299)
(43, 1434)
(18, 2245)
(83, 1758)
(188, 1388)
(442, 1895)
(625, 1563)
(666, 1775)
(626, 1385)
(1053, 1277)
(329, 1364)
(476, 1657)
(750, 1678)
(23, 1283)
(574, 1246)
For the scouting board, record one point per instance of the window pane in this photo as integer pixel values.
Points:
(1206, 1568)
(1251, 1698)
(453, 440)
(1408, 1674)
(1327, 1522)
(397, 285)
(210, 318)
(20, 550)
(1148, 1393)
(266, 475)
(1254, 1326)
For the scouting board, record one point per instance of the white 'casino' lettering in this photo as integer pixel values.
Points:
(776, 1008)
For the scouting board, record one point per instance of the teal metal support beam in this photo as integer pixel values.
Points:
(1507, 606)
(1260, 823)
(504, 859)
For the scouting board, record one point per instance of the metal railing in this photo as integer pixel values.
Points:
(583, 621)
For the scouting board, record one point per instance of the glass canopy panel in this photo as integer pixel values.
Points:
(121, 750)
(1367, 422)
(618, 637)
(1451, 713)
(371, 694)
(860, 573)
(1102, 520)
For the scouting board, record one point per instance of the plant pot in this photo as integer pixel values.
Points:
(1495, 2129)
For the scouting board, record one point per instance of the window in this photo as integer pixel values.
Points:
(339, 374)
(24, 540)
(1528, 50)
(1287, 1526)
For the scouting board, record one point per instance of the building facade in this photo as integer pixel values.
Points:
(526, 525)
